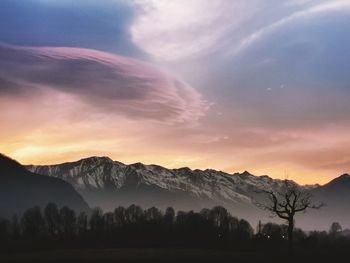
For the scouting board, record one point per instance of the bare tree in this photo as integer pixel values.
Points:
(288, 202)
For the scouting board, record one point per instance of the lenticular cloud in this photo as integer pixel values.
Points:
(107, 82)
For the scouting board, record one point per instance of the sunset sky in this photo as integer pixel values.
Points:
(234, 85)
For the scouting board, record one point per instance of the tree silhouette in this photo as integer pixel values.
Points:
(82, 224)
(153, 214)
(15, 227)
(219, 216)
(109, 223)
(169, 216)
(272, 231)
(335, 230)
(96, 221)
(289, 201)
(5, 228)
(33, 222)
(53, 219)
(135, 227)
(68, 219)
(233, 224)
(134, 214)
(120, 216)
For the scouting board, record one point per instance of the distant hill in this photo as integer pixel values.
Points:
(21, 189)
(336, 196)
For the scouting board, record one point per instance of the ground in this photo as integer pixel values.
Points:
(155, 255)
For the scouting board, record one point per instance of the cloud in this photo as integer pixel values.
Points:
(109, 83)
(301, 57)
(339, 5)
(308, 56)
(173, 30)
(276, 70)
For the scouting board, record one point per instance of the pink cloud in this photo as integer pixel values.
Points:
(107, 82)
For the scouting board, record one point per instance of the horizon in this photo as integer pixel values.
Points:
(180, 167)
(258, 86)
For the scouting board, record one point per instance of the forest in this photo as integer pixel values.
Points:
(54, 227)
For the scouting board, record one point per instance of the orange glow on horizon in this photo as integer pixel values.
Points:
(47, 156)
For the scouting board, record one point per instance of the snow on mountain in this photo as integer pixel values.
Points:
(102, 173)
(107, 184)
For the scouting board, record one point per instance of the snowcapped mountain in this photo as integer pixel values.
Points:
(108, 184)
(102, 173)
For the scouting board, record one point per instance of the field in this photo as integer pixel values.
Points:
(158, 255)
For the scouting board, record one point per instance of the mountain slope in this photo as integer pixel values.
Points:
(335, 195)
(21, 189)
(107, 183)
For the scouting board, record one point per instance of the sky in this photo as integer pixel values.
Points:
(232, 85)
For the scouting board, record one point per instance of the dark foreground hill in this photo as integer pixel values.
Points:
(21, 189)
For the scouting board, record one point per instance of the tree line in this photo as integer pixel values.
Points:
(131, 226)
(136, 227)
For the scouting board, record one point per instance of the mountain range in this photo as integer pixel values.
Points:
(107, 184)
(21, 189)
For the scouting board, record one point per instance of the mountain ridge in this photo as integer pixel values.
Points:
(246, 172)
(96, 160)
(108, 184)
(91, 158)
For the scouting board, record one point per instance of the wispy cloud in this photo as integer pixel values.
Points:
(110, 83)
(340, 5)
(174, 30)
